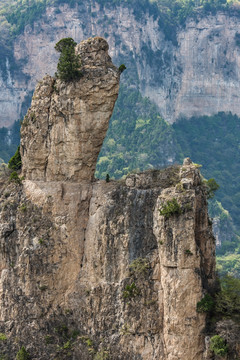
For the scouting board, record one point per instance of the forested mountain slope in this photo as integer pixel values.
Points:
(183, 55)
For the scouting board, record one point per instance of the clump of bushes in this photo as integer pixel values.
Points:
(23, 354)
(131, 291)
(3, 337)
(171, 207)
(15, 178)
(218, 345)
(122, 68)
(212, 187)
(228, 299)
(15, 163)
(139, 266)
(206, 304)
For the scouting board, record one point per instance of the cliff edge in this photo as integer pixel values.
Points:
(96, 270)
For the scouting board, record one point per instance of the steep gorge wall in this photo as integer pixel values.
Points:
(199, 76)
(91, 269)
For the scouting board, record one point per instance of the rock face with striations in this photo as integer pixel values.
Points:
(66, 124)
(197, 76)
(94, 270)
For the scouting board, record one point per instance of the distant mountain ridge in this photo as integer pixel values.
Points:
(185, 70)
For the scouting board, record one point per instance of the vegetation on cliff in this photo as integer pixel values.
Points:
(139, 139)
(68, 63)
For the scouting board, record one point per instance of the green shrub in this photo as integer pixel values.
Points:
(15, 163)
(102, 355)
(3, 337)
(131, 291)
(67, 345)
(228, 299)
(212, 187)
(188, 252)
(170, 208)
(218, 345)
(69, 62)
(23, 354)
(15, 178)
(48, 339)
(122, 68)
(139, 266)
(206, 304)
(23, 208)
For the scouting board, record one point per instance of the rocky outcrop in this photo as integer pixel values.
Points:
(66, 124)
(199, 76)
(95, 269)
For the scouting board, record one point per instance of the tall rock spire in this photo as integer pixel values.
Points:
(66, 124)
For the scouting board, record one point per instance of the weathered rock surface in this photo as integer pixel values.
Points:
(94, 268)
(64, 129)
(198, 76)
(90, 269)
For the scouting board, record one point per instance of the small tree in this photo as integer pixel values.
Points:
(218, 345)
(212, 187)
(15, 163)
(22, 354)
(122, 68)
(107, 178)
(69, 62)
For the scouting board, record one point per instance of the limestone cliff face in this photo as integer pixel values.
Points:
(66, 124)
(94, 270)
(198, 76)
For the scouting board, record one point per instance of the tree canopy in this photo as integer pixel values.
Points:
(69, 63)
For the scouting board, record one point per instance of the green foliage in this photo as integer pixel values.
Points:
(23, 354)
(122, 68)
(171, 207)
(218, 345)
(131, 291)
(67, 345)
(229, 264)
(228, 299)
(206, 304)
(212, 187)
(137, 138)
(203, 140)
(15, 178)
(89, 343)
(139, 266)
(69, 62)
(188, 252)
(15, 163)
(3, 337)
(23, 208)
(101, 355)
(65, 43)
(48, 339)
